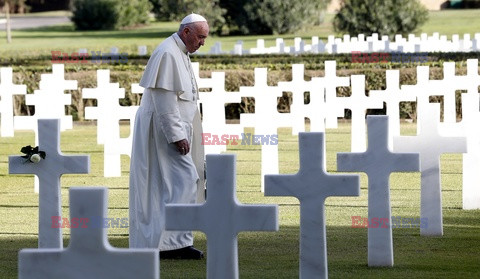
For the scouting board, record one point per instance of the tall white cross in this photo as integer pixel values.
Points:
(108, 113)
(298, 86)
(358, 103)
(334, 107)
(49, 172)
(7, 90)
(430, 145)
(392, 96)
(49, 101)
(378, 162)
(266, 119)
(88, 255)
(222, 217)
(213, 110)
(468, 127)
(312, 185)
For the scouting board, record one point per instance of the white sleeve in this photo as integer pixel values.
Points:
(166, 106)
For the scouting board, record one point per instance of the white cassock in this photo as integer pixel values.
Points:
(159, 174)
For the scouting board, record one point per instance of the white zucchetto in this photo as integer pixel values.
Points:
(193, 18)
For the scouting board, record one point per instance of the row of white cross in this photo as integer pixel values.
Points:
(323, 110)
(222, 217)
(347, 44)
(362, 43)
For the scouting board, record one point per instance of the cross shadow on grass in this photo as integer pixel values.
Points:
(276, 254)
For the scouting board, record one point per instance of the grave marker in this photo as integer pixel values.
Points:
(331, 81)
(222, 217)
(213, 109)
(49, 101)
(108, 113)
(266, 119)
(392, 96)
(430, 145)
(378, 162)
(312, 185)
(49, 172)
(88, 255)
(358, 103)
(7, 90)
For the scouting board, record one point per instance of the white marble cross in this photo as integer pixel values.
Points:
(358, 103)
(213, 109)
(378, 162)
(312, 185)
(49, 172)
(316, 110)
(392, 96)
(468, 127)
(430, 145)
(107, 95)
(421, 89)
(7, 90)
(88, 255)
(331, 81)
(222, 217)
(266, 119)
(298, 87)
(446, 87)
(108, 113)
(471, 159)
(49, 101)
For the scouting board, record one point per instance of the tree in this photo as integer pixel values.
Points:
(109, 14)
(273, 16)
(176, 10)
(388, 17)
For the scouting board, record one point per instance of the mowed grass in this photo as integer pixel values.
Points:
(43, 40)
(264, 254)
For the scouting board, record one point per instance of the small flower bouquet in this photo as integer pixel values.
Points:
(33, 155)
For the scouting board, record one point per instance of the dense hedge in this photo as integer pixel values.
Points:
(239, 72)
(109, 14)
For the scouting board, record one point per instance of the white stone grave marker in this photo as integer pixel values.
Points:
(332, 81)
(88, 255)
(7, 90)
(298, 86)
(358, 103)
(49, 101)
(392, 96)
(266, 119)
(213, 110)
(222, 217)
(312, 185)
(378, 162)
(49, 172)
(468, 127)
(142, 50)
(471, 159)
(108, 113)
(430, 145)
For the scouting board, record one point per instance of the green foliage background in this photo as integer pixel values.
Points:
(387, 17)
(109, 14)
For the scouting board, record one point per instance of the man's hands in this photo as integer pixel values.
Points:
(182, 146)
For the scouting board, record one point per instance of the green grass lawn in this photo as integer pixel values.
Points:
(41, 41)
(264, 254)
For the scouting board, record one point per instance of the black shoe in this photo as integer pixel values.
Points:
(187, 253)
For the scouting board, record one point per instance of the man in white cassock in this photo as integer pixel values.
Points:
(167, 160)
